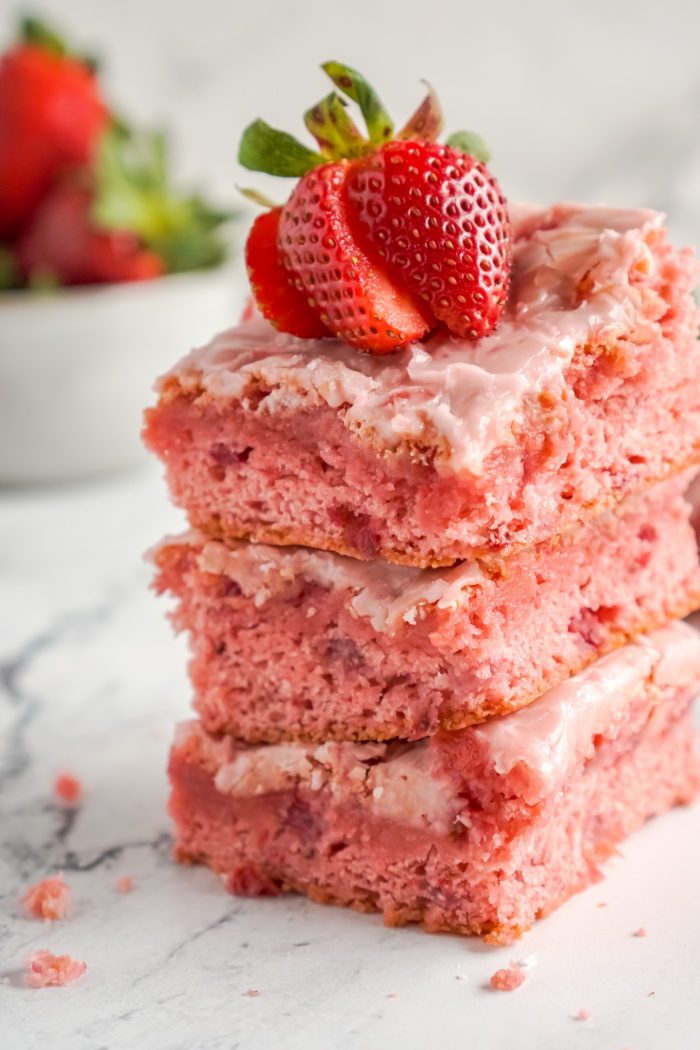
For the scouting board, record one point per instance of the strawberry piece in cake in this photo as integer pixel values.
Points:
(479, 831)
(293, 643)
(588, 390)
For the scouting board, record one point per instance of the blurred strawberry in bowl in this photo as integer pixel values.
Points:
(107, 266)
(84, 198)
(51, 117)
(63, 244)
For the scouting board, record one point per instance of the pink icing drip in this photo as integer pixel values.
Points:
(554, 734)
(404, 783)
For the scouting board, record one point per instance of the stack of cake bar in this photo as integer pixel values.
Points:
(435, 598)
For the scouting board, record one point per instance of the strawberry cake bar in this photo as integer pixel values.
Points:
(589, 389)
(440, 540)
(295, 643)
(478, 831)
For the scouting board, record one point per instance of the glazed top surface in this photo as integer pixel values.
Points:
(582, 276)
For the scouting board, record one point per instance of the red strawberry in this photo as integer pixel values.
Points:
(344, 281)
(277, 298)
(390, 233)
(439, 220)
(64, 245)
(51, 115)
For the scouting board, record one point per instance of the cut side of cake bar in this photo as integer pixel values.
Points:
(291, 643)
(449, 449)
(479, 831)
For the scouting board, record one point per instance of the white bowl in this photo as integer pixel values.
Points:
(77, 368)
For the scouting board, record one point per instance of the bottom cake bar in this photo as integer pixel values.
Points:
(479, 831)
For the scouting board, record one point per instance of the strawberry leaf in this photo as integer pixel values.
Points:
(426, 122)
(379, 124)
(34, 31)
(471, 143)
(275, 152)
(336, 133)
(133, 193)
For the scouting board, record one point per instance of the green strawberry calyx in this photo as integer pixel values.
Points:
(133, 192)
(274, 152)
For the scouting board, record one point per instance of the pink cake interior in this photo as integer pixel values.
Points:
(294, 643)
(445, 450)
(479, 831)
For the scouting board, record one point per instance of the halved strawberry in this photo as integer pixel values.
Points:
(439, 220)
(343, 279)
(277, 299)
(390, 233)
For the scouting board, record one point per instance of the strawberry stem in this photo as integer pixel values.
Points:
(379, 124)
(336, 133)
(275, 152)
(257, 197)
(471, 143)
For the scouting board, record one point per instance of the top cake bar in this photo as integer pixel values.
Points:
(448, 449)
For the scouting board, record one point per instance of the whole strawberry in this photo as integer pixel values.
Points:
(64, 246)
(386, 235)
(51, 117)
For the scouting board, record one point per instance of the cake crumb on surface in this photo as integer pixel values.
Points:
(582, 1015)
(641, 932)
(252, 993)
(124, 884)
(68, 788)
(508, 979)
(45, 969)
(48, 899)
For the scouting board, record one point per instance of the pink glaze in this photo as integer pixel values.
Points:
(49, 899)
(493, 443)
(308, 644)
(479, 830)
(557, 732)
(466, 396)
(44, 969)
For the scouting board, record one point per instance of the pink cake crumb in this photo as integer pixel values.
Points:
(641, 932)
(68, 788)
(252, 993)
(582, 1015)
(508, 979)
(124, 884)
(48, 899)
(44, 969)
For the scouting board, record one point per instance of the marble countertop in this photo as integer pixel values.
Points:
(91, 681)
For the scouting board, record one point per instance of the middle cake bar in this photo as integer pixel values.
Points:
(291, 643)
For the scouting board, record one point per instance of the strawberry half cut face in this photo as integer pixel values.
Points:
(344, 279)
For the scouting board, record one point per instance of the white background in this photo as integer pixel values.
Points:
(597, 100)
